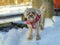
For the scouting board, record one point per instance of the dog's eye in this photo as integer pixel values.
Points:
(28, 13)
(33, 13)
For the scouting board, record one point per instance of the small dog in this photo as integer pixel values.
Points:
(34, 20)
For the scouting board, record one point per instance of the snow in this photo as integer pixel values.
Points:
(49, 36)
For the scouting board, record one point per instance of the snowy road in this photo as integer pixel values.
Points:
(49, 36)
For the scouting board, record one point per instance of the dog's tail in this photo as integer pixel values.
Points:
(52, 20)
(42, 8)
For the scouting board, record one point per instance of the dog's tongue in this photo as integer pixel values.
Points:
(31, 23)
(28, 21)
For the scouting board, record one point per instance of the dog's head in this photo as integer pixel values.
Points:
(30, 13)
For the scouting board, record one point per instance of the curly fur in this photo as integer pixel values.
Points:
(38, 25)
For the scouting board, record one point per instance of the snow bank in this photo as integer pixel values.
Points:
(13, 36)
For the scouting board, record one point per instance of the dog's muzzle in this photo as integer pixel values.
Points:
(34, 21)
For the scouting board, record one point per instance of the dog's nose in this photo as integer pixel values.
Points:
(30, 15)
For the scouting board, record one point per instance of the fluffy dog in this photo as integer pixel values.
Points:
(34, 20)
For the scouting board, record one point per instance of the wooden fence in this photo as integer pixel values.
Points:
(12, 2)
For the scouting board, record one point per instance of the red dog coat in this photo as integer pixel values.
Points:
(34, 21)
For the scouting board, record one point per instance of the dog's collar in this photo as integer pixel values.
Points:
(34, 21)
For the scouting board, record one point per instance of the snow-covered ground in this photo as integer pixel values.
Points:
(49, 36)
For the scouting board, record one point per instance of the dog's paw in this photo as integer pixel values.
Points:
(42, 28)
(38, 37)
(30, 37)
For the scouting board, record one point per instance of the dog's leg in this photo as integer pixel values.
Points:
(42, 25)
(37, 33)
(30, 33)
(41, 22)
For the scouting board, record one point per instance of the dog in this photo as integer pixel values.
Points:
(34, 20)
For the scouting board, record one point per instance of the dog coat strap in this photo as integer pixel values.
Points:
(37, 18)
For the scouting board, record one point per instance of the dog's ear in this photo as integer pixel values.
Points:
(43, 7)
(38, 11)
(25, 12)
